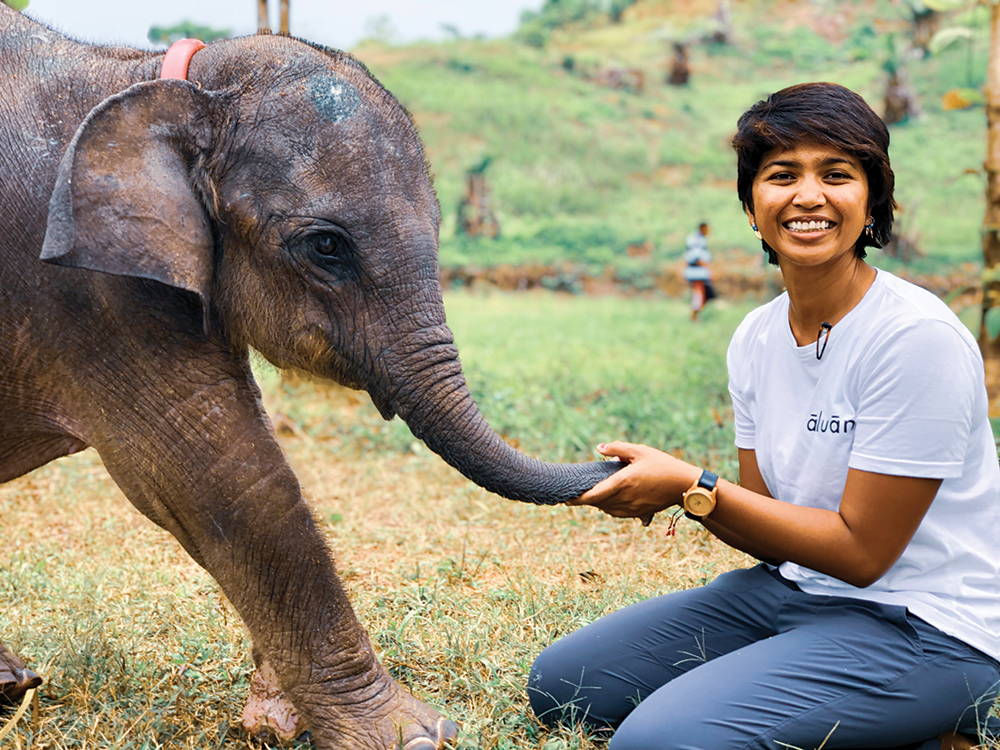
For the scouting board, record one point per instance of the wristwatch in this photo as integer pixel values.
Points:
(699, 501)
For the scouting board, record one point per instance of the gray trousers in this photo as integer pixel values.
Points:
(750, 661)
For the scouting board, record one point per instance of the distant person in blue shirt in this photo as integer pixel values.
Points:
(696, 271)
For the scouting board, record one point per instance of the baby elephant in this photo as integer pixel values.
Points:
(271, 194)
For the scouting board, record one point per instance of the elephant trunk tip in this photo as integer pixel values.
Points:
(544, 483)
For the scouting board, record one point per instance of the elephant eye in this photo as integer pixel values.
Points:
(326, 245)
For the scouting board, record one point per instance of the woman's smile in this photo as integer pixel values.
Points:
(808, 227)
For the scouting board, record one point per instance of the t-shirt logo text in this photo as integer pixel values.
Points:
(816, 423)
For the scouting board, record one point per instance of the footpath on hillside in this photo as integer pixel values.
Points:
(736, 275)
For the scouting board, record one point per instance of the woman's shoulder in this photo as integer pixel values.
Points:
(907, 309)
(761, 324)
(763, 318)
(907, 292)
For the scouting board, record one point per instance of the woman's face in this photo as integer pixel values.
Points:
(810, 204)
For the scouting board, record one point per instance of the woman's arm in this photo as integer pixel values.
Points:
(878, 513)
(750, 479)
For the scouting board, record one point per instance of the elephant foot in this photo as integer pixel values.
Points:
(15, 678)
(400, 722)
(268, 715)
(396, 721)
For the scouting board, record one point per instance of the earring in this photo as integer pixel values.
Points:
(756, 231)
(870, 227)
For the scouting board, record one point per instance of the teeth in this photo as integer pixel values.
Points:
(809, 226)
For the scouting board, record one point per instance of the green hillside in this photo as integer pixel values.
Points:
(580, 171)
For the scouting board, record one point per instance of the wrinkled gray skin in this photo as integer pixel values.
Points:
(278, 200)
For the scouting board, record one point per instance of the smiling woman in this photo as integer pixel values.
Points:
(873, 618)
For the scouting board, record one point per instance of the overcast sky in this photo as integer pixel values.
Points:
(335, 23)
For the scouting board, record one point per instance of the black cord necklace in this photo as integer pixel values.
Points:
(824, 327)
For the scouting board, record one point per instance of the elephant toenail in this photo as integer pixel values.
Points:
(26, 679)
(447, 732)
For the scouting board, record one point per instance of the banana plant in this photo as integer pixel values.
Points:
(989, 326)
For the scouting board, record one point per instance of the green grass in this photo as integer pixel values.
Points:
(459, 589)
(561, 376)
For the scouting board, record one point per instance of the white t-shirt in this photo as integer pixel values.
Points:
(899, 390)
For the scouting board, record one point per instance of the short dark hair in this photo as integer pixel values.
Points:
(823, 113)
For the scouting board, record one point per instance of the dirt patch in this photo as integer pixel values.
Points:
(736, 275)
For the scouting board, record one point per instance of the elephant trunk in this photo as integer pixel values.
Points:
(433, 398)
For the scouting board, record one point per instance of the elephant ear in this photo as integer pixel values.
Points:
(125, 200)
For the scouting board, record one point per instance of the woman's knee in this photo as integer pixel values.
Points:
(561, 691)
(554, 684)
(542, 690)
(659, 727)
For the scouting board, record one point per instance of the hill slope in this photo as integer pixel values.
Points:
(581, 171)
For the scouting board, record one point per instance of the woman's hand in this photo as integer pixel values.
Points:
(652, 481)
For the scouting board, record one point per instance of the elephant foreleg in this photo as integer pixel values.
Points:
(208, 469)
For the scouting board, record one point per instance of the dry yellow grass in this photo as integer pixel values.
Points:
(459, 589)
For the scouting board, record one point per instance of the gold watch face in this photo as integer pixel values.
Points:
(698, 502)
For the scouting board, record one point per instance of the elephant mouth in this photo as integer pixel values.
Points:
(384, 404)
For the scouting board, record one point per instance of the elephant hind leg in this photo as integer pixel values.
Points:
(15, 677)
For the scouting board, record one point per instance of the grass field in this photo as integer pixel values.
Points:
(459, 589)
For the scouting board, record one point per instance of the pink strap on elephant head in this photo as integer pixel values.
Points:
(175, 64)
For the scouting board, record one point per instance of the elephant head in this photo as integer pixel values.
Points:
(286, 191)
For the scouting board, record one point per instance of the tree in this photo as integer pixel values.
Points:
(989, 328)
(536, 26)
(680, 71)
(926, 20)
(616, 9)
(475, 215)
(380, 29)
(989, 322)
(900, 101)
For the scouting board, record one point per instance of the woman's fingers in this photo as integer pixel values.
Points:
(617, 451)
(638, 490)
(621, 450)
